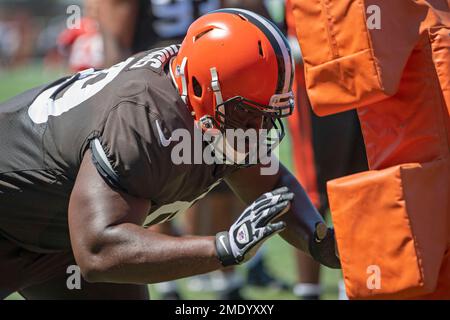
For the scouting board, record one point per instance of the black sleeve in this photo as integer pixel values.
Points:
(123, 152)
(103, 165)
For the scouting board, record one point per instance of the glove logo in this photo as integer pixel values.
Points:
(222, 242)
(242, 234)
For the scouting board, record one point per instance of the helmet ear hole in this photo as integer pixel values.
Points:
(197, 87)
(201, 34)
(260, 49)
(242, 17)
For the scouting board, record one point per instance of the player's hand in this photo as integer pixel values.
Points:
(323, 247)
(253, 227)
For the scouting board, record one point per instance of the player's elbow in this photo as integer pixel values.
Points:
(94, 263)
(93, 269)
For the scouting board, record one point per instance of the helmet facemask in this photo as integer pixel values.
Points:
(248, 129)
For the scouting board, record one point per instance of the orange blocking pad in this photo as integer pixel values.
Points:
(352, 63)
(398, 77)
(392, 219)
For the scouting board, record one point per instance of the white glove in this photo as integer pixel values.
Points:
(253, 227)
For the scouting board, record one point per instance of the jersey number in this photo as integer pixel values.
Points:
(169, 211)
(81, 90)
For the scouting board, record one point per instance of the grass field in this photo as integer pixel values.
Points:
(279, 255)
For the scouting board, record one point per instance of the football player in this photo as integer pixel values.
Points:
(130, 26)
(87, 162)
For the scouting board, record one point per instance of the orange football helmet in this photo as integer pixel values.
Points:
(234, 63)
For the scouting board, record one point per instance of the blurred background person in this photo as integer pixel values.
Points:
(130, 26)
(16, 35)
(29, 31)
(82, 43)
(9, 42)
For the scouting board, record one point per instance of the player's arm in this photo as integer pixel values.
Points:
(117, 20)
(110, 245)
(305, 227)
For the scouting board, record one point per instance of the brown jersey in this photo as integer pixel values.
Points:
(125, 115)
